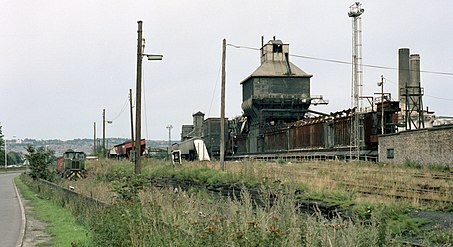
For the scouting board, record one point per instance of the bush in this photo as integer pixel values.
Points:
(40, 158)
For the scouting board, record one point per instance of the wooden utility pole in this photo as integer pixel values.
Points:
(382, 105)
(94, 139)
(169, 127)
(222, 110)
(132, 125)
(138, 99)
(103, 133)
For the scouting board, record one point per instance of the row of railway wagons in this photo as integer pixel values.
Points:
(329, 134)
(326, 132)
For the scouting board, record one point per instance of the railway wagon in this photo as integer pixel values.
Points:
(72, 164)
(125, 150)
(321, 133)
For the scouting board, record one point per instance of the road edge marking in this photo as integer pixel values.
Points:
(20, 240)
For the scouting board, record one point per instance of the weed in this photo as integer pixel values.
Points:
(412, 164)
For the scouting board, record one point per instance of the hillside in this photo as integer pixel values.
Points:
(85, 145)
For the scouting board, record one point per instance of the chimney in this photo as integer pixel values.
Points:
(415, 70)
(414, 85)
(403, 74)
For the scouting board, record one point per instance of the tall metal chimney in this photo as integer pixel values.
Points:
(403, 81)
(414, 82)
(403, 75)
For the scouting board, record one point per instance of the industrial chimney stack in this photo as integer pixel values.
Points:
(410, 91)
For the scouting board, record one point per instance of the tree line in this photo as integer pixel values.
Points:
(13, 158)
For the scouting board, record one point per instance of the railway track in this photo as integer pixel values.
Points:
(400, 192)
(418, 186)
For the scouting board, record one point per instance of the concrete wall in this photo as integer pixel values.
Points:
(426, 146)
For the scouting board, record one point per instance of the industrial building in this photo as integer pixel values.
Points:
(278, 121)
(277, 92)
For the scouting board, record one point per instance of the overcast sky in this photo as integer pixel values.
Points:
(62, 62)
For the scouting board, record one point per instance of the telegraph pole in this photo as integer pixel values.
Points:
(6, 156)
(94, 139)
(222, 110)
(103, 133)
(382, 104)
(169, 127)
(138, 99)
(132, 124)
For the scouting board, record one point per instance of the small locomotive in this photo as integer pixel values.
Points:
(72, 164)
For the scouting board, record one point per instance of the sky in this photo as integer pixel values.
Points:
(63, 62)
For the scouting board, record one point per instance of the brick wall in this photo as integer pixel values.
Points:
(426, 146)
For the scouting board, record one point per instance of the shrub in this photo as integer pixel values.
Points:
(40, 158)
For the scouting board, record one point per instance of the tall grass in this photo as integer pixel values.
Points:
(169, 218)
(161, 217)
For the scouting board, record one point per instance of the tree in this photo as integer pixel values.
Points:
(39, 159)
(15, 158)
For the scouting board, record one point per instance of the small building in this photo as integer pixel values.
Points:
(425, 146)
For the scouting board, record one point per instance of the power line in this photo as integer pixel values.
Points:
(344, 62)
(122, 110)
(215, 88)
(426, 95)
(438, 97)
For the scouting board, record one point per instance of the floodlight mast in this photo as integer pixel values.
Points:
(355, 11)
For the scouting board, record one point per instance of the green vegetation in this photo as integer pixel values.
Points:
(140, 215)
(40, 158)
(62, 225)
(166, 216)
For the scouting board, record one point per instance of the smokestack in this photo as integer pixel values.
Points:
(414, 85)
(403, 75)
(415, 70)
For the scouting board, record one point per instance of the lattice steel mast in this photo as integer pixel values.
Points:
(355, 11)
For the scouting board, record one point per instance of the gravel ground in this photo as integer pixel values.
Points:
(439, 223)
(438, 220)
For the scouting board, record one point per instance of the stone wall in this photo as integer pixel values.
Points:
(426, 146)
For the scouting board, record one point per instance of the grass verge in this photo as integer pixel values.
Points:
(62, 225)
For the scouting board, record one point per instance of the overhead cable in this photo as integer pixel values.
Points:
(345, 62)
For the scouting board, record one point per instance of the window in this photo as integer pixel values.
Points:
(390, 153)
(276, 48)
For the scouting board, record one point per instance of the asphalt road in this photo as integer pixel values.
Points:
(11, 214)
